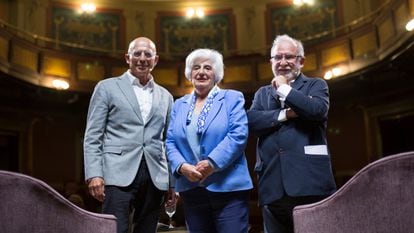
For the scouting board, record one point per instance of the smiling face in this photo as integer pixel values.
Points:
(142, 58)
(202, 76)
(285, 60)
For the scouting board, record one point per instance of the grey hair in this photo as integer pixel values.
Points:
(212, 55)
(285, 38)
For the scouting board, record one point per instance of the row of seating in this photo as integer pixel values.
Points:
(379, 198)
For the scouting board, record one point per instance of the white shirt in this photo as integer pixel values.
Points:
(143, 94)
(282, 92)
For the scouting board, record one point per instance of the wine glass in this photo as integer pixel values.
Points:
(170, 207)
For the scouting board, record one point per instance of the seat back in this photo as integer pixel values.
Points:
(379, 198)
(30, 205)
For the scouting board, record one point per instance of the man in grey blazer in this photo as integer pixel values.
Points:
(124, 154)
(289, 117)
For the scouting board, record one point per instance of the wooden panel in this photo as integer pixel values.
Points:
(401, 16)
(5, 9)
(265, 71)
(166, 76)
(411, 4)
(238, 73)
(364, 44)
(90, 71)
(311, 62)
(335, 55)
(24, 57)
(4, 48)
(118, 70)
(385, 31)
(56, 66)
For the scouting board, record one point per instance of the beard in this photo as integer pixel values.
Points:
(289, 75)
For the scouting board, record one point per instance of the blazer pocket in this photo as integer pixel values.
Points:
(113, 150)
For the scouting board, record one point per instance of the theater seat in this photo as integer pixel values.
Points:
(30, 205)
(378, 199)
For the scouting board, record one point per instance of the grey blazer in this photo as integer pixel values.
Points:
(116, 137)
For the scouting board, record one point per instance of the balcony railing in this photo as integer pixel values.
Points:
(356, 46)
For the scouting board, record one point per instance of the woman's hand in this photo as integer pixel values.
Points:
(191, 172)
(205, 169)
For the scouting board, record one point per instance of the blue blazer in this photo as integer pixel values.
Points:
(223, 140)
(292, 156)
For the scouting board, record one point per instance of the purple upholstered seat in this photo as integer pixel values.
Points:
(378, 199)
(30, 205)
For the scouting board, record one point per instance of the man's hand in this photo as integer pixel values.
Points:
(279, 80)
(290, 113)
(96, 188)
(205, 169)
(171, 197)
(190, 172)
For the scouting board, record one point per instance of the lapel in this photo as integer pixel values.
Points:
(184, 110)
(126, 88)
(215, 109)
(156, 101)
(273, 99)
(273, 93)
(299, 82)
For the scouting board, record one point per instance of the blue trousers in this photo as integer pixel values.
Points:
(216, 212)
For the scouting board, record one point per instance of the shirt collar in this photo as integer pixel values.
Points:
(135, 81)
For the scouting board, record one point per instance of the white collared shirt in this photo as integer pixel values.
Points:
(143, 94)
(282, 92)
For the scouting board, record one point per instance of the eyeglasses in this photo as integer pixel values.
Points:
(138, 54)
(287, 57)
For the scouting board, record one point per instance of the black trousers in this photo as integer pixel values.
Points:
(141, 198)
(278, 215)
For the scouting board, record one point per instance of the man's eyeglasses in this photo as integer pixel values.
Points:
(138, 54)
(287, 57)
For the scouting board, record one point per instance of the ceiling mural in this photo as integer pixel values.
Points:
(178, 35)
(307, 23)
(104, 29)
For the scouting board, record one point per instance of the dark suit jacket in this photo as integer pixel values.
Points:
(292, 156)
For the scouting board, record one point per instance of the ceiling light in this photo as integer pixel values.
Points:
(410, 25)
(336, 71)
(200, 13)
(328, 75)
(303, 2)
(88, 8)
(60, 84)
(332, 73)
(191, 13)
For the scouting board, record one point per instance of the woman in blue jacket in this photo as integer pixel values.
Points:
(205, 145)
